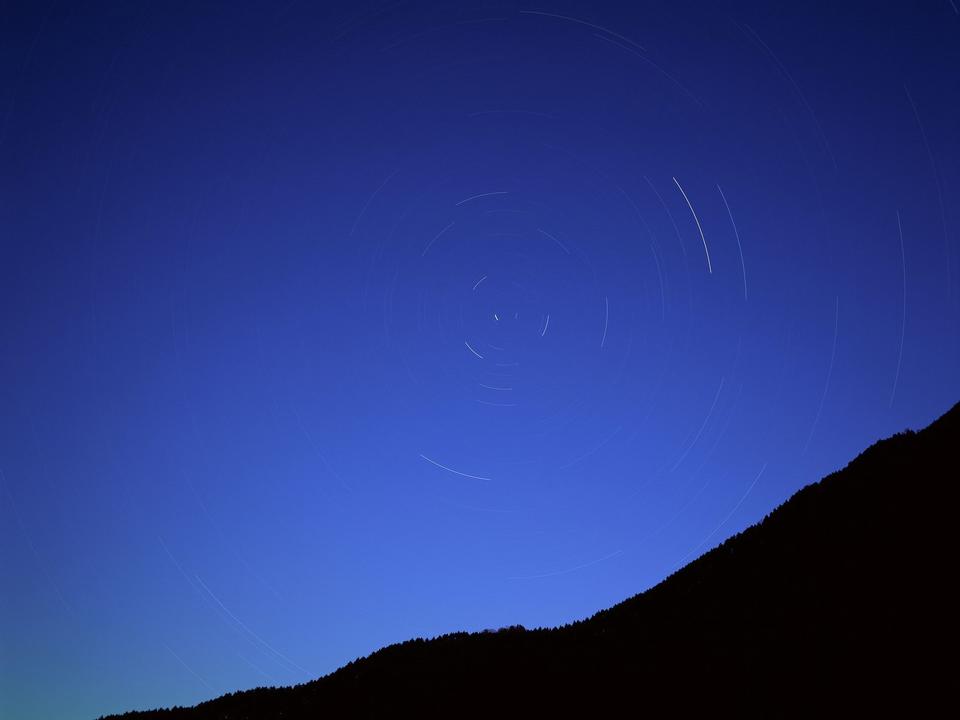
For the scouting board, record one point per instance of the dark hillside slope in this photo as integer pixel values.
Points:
(835, 604)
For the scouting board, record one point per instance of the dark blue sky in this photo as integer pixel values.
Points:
(327, 327)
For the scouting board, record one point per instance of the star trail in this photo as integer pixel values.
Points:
(326, 326)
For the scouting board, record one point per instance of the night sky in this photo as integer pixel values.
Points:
(326, 327)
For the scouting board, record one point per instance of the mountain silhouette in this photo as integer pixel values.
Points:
(834, 604)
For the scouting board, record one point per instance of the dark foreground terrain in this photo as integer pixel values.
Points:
(837, 603)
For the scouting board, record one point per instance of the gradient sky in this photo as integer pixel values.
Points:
(326, 327)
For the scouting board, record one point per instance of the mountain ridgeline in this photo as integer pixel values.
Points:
(836, 603)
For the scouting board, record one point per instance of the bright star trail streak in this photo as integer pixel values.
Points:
(471, 349)
(693, 212)
(493, 403)
(455, 472)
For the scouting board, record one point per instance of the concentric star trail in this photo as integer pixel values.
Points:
(584, 22)
(560, 244)
(736, 233)
(606, 320)
(370, 200)
(455, 472)
(240, 299)
(726, 518)
(546, 324)
(826, 385)
(436, 237)
(250, 632)
(565, 571)
(189, 669)
(474, 197)
(703, 425)
(938, 184)
(693, 212)
(472, 349)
